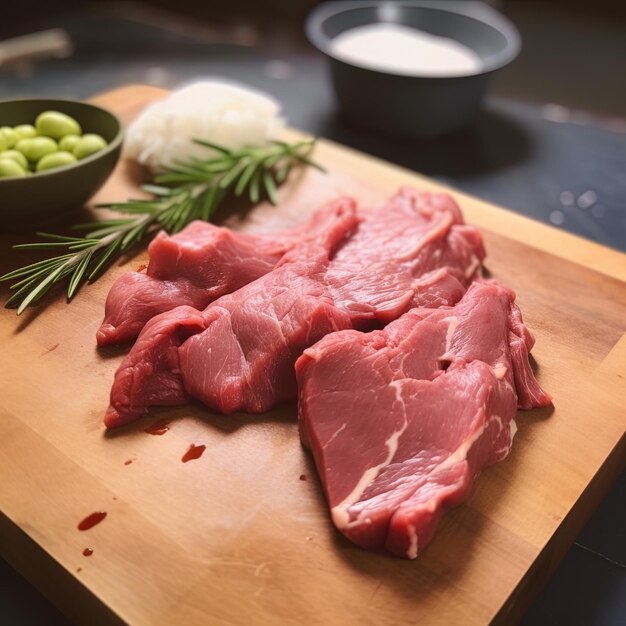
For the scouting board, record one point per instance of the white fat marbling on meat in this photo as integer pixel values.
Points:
(500, 370)
(397, 387)
(513, 429)
(505, 449)
(339, 513)
(473, 266)
(453, 322)
(498, 419)
(337, 432)
(461, 452)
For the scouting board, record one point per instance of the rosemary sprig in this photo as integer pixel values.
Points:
(186, 191)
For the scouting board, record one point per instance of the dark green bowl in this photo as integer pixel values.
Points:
(41, 198)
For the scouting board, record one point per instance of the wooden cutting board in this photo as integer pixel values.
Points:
(237, 537)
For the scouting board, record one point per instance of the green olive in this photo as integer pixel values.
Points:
(9, 167)
(68, 143)
(7, 138)
(89, 144)
(55, 159)
(56, 125)
(18, 157)
(24, 131)
(34, 148)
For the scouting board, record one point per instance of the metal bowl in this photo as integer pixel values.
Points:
(44, 196)
(409, 103)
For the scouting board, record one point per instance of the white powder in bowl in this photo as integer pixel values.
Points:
(403, 50)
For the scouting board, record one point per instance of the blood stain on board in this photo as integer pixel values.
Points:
(193, 452)
(158, 428)
(87, 551)
(91, 520)
(302, 476)
(128, 461)
(142, 268)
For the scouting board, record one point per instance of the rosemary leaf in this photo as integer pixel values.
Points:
(245, 177)
(272, 160)
(105, 258)
(307, 161)
(59, 237)
(254, 186)
(110, 230)
(31, 277)
(283, 172)
(42, 287)
(90, 226)
(44, 245)
(157, 190)
(181, 178)
(229, 177)
(81, 245)
(209, 200)
(214, 146)
(33, 267)
(78, 275)
(270, 187)
(18, 296)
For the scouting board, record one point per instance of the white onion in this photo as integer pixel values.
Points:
(217, 112)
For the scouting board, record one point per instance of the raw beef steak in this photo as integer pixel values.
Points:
(391, 263)
(193, 268)
(400, 421)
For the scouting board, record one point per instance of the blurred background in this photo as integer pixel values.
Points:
(549, 143)
(574, 50)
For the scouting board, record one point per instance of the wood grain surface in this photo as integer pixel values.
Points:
(236, 537)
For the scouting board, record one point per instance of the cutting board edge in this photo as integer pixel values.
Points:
(552, 562)
(57, 584)
(550, 556)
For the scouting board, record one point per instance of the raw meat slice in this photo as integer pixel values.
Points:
(156, 363)
(152, 371)
(386, 267)
(193, 268)
(400, 421)
(244, 358)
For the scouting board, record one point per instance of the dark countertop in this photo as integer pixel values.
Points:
(555, 165)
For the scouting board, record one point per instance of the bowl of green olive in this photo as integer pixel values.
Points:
(54, 155)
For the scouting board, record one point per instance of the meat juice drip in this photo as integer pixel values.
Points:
(158, 428)
(87, 551)
(128, 462)
(193, 452)
(92, 520)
